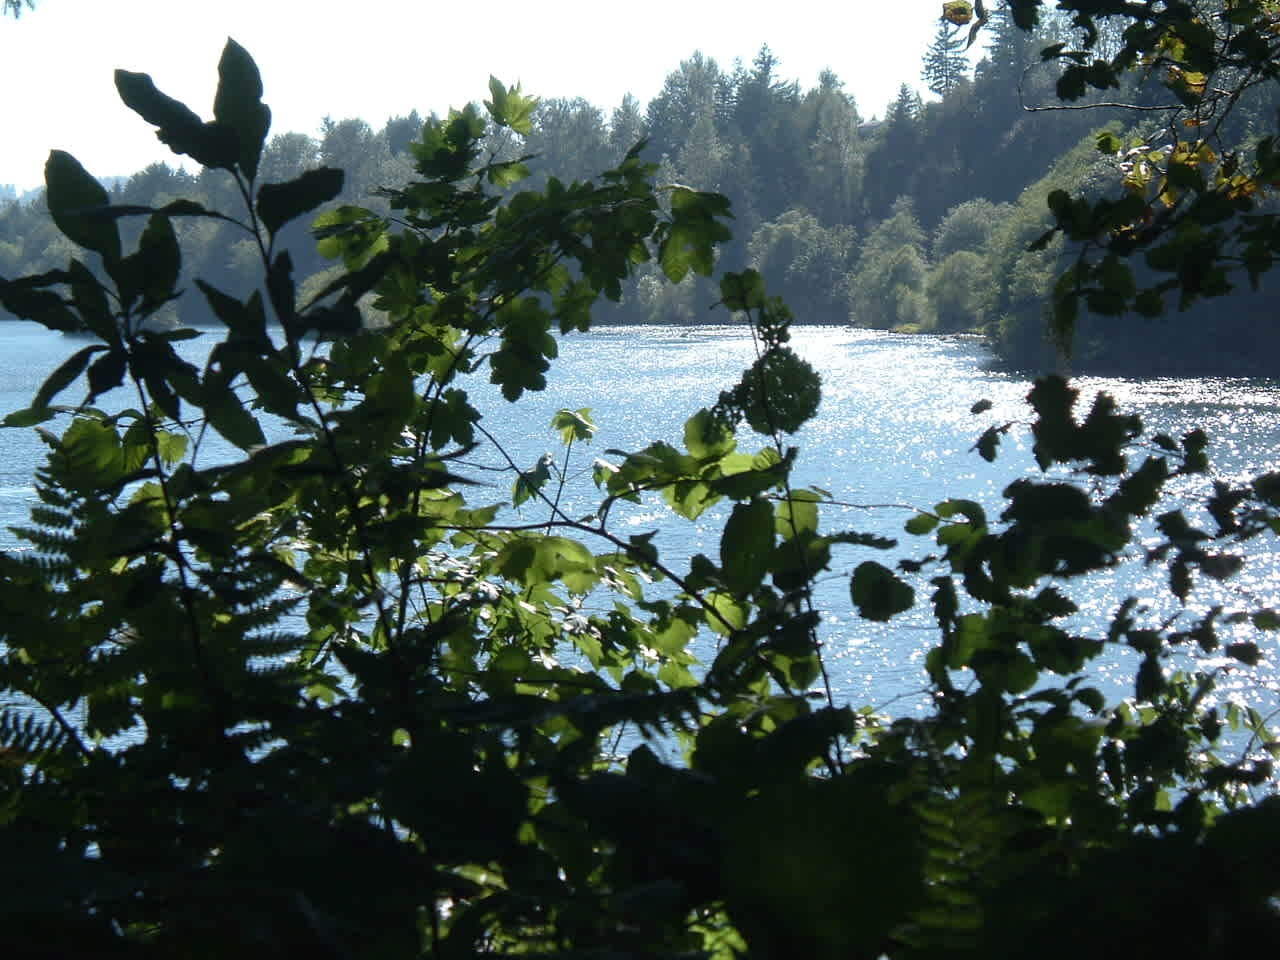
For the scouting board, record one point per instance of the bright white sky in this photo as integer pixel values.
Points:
(378, 58)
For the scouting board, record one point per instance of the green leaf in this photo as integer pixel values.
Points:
(989, 443)
(707, 437)
(798, 513)
(689, 497)
(1092, 698)
(574, 425)
(695, 229)
(244, 320)
(227, 414)
(93, 451)
(1245, 652)
(152, 271)
(504, 174)
(968, 509)
(447, 149)
(30, 416)
(1071, 85)
(64, 376)
(878, 593)
(238, 105)
(1004, 670)
(743, 291)
(1150, 679)
(538, 560)
(279, 203)
(1149, 303)
(529, 482)
(351, 233)
(746, 545)
(89, 296)
(520, 363)
(107, 373)
(745, 476)
(795, 875)
(921, 523)
(282, 291)
(73, 196)
(1266, 620)
(171, 446)
(728, 613)
(497, 106)
(1109, 143)
(509, 107)
(209, 144)
(331, 321)
(25, 299)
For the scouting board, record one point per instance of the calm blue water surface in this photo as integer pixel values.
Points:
(894, 432)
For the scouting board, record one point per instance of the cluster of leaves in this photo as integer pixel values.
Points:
(1194, 201)
(308, 696)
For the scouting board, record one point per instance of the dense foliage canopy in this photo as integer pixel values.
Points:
(328, 694)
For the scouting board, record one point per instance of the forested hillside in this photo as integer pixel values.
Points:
(920, 219)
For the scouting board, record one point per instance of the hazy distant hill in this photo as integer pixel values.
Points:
(9, 193)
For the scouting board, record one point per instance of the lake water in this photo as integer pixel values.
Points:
(894, 432)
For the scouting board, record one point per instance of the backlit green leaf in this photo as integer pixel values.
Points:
(921, 523)
(509, 107)
(574, 425)
(29, 417)
(742, 291)
(746, 545)
(706, 437)
(727, 613)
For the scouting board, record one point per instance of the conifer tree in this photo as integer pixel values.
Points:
(945, 64)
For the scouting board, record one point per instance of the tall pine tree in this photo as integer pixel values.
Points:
(945, 64)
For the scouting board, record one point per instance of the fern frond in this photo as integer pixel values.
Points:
(50, 567)
(962, 838)
(23, 734)
(55, 518)
(50, 494)
(272, 645)
(45, 540)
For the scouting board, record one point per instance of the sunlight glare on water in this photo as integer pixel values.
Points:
(894, 433)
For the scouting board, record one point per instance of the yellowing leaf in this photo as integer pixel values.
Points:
(958, 12)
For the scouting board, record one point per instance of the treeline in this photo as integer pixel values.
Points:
(217, 250)
(921, 220)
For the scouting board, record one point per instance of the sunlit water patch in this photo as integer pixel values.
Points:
(894, 433)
